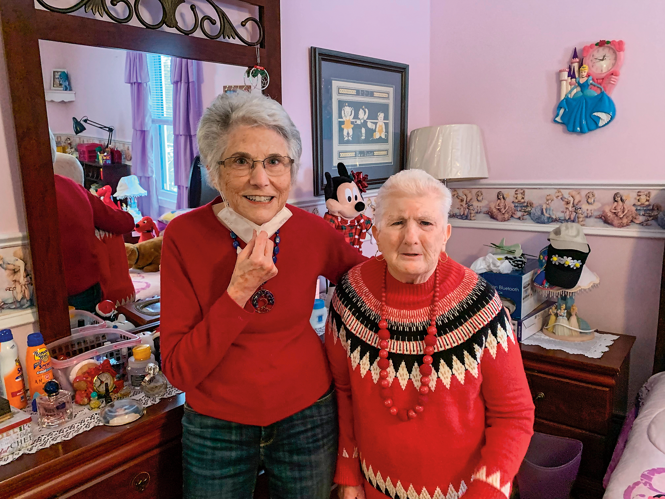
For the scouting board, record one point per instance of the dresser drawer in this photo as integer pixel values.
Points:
(571, 403)
(157, 473)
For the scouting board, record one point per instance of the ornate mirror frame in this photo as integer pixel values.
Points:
(23, 26)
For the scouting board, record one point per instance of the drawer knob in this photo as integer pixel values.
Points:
(141, 481)
(539, 396)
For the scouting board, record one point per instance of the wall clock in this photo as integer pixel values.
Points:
(604, 60)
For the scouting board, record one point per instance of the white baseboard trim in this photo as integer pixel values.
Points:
(15, 318)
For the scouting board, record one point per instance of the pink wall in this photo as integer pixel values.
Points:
(97, 76)
(494, 64)
(396, 30)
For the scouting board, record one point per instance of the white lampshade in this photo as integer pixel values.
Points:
(129, 187)
(448, 152)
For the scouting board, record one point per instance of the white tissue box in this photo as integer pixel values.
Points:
(533, 322)
(15, 433)
(515, 289)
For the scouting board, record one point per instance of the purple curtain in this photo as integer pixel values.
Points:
(186, 77)
(136, 74)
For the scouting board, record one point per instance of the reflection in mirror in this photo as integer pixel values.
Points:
(123, 128)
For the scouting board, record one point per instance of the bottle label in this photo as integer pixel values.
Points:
(136, 379)
(41, 360)
(15, 388)
(39, 369)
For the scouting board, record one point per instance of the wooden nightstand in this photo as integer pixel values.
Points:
(581, 398)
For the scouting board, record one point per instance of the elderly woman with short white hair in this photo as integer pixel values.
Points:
(238, 284)
(432, 396)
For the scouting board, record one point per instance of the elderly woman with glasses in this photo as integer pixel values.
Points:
(238, 284)
(433, 400)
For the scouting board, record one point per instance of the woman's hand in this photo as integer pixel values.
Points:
(254, 266)
(351, 492)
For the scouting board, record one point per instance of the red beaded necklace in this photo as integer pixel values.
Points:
(425, 368)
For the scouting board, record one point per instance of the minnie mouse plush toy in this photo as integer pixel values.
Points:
(346, 205)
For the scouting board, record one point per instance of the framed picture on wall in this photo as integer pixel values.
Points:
(60, 80)
(359, 115)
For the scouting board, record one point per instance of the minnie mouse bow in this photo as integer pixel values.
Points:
(360, 180)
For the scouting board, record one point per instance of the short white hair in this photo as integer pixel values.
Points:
(228, 111)
(412, 183)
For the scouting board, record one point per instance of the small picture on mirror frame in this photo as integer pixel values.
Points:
(60, 80)
(232, 89)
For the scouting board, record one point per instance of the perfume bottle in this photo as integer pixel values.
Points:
(56, 407)
(154, 384)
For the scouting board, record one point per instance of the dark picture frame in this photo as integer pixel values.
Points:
(359, 115)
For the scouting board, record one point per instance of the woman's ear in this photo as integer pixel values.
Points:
(375, 234)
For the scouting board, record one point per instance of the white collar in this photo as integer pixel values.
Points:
(244, 228)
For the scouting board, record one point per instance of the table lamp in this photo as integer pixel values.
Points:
(129, 188)
(79, 127)
(448, 152)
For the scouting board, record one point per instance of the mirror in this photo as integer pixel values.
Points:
(23, 25)
(93, 114)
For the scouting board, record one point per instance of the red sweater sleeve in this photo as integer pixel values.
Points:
(109, 219)
(348, 464)
(509, 417)
(192, 344)
(341, 256)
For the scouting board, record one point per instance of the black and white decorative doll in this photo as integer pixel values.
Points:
(346, 205)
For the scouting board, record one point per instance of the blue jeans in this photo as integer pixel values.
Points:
(221, 459)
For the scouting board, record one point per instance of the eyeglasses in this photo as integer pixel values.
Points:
(274, 165)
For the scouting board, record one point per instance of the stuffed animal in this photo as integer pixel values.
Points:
(105, 194)
(345, 205)
(145, 256)
(146, 226)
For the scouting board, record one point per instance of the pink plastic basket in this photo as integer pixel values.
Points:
(98, 344)
(81, 321)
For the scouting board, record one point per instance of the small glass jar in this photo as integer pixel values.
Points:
(56, 407)
(154, 384)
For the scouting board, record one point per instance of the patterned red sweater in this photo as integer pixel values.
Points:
(478, 422)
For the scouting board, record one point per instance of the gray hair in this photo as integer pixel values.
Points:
(413, 183)
(228, 111)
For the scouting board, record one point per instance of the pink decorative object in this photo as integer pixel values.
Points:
(604, 60)
(650, 485)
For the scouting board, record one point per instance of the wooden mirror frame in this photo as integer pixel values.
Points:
(22, 27)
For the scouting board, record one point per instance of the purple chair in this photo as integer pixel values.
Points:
(550, 467)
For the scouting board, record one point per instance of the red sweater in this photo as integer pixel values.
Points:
(232, 363)
(476, 427)
(79, 213)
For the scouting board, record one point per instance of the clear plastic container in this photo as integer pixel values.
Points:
(318, 319)
(137, 363)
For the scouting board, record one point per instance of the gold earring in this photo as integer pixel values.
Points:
(377, 258)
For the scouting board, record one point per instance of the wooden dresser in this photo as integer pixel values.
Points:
(137, 461)
(581, 398)
(142, 459)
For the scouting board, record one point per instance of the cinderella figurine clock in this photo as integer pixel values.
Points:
(585, 87)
